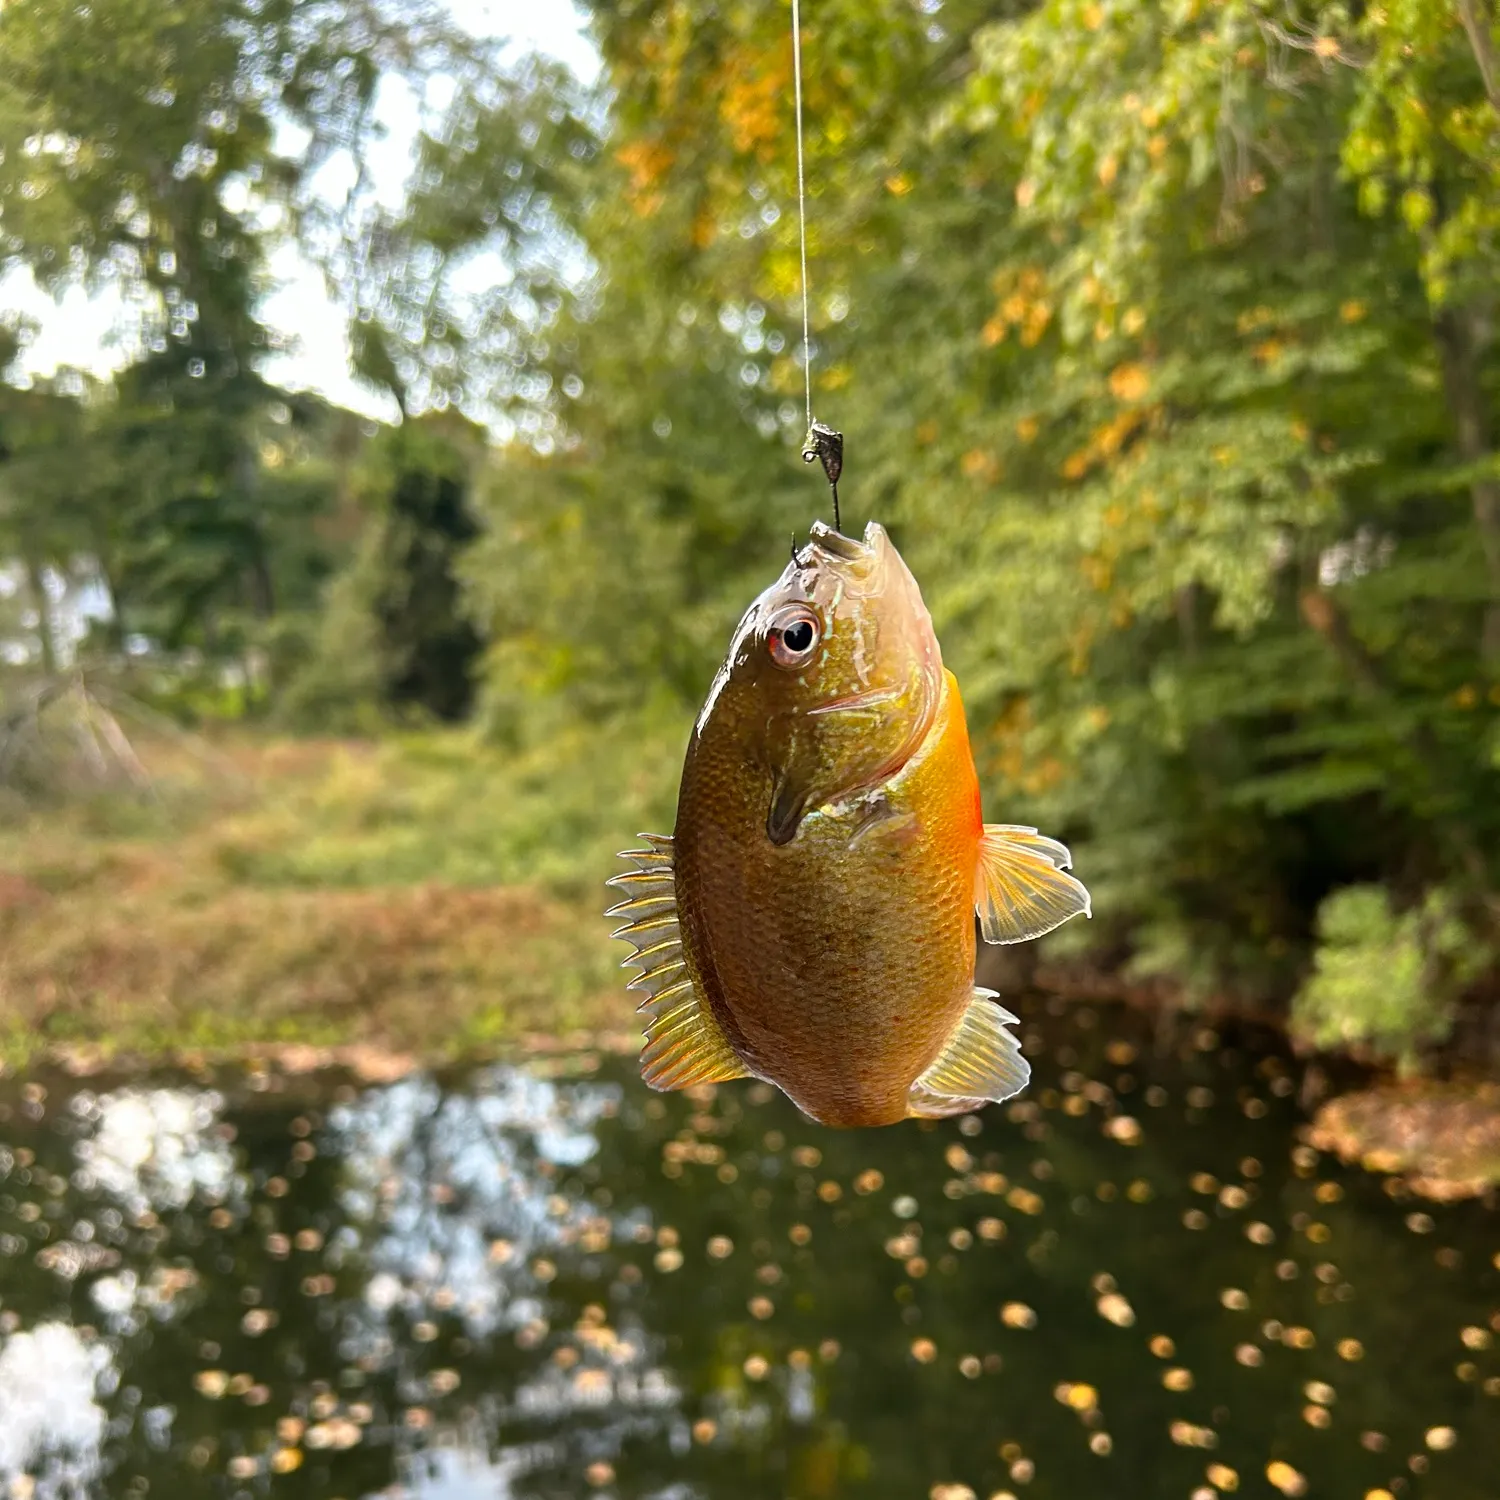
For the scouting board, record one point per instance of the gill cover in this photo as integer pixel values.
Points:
(856, 711)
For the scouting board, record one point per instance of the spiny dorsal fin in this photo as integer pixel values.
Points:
(684, 1045)
(980, 1063)
(1022, 888)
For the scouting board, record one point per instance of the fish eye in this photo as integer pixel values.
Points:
(794, 636)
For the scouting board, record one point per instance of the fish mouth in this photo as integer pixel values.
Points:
(836, 544)
(845, 556)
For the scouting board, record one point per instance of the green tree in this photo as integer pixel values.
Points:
(164, 151)
(1168, 412)
(395, 635)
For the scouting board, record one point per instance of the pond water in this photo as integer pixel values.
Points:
(545, 1281)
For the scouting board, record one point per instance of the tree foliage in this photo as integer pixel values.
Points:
(1161, 335)
(1168, 384)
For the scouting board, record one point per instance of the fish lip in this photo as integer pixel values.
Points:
(845, 548)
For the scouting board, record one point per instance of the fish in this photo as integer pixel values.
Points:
(810, 920)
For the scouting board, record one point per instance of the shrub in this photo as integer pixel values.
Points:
(1385, 983)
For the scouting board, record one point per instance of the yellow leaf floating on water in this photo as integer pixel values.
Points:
(338, 1433)
(1017, 1315)
(1190, 1435)
(1286, 1479)
(1079, 1395)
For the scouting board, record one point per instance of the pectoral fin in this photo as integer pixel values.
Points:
(1022, 889)
(789, 798)
(684, 1045)
(980, 1063)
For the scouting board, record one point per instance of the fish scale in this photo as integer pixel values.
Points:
(812, 920)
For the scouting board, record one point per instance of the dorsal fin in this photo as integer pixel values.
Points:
(980, 1063)
(1022, 888)
(684, 1044)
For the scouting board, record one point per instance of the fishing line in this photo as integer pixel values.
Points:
(802, 203)
(821, 442)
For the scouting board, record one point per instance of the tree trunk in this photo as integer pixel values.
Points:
(1457, 346)
(115, 629)
(1476, 25)
(43, 603)
(262, 587)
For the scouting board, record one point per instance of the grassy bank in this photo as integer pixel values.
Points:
(424, 894)
(424, 898)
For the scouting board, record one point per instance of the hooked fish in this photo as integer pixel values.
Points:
(810, 921)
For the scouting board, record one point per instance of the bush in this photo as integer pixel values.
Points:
(1385, 983)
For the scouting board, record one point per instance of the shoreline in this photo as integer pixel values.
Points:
(1441, 1138)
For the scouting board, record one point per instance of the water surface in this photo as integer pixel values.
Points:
(545, 1281)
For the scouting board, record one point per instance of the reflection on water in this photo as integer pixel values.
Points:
(1134, 1282)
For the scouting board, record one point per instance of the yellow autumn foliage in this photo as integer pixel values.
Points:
(1129, 382)
(752, 101)
(981, 464)
(648, 162)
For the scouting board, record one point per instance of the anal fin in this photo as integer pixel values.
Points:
(1022, 888)
(684, 1044)
(980, 1063)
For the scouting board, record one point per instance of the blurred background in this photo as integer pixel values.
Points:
(401, 405)
(400, 402)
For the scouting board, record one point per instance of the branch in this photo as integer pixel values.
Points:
(1477, 26)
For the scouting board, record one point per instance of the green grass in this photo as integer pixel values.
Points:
(426, 894)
